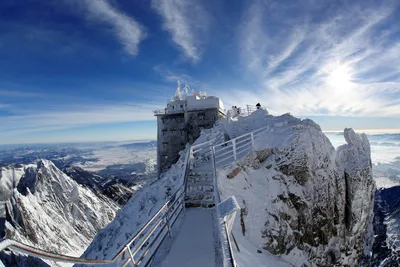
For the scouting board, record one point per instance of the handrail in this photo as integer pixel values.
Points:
(32, 251)
(253, 135)
(232, 149)
(251, 109)
(232, 261)
(174, 199)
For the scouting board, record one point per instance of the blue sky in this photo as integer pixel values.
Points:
(81, 70)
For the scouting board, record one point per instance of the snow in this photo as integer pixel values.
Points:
(136, 212)
(250, 255)
(52, 212)
(292, 184)
(6, 179)
(385, 153)
(227, 207)
(194, 244)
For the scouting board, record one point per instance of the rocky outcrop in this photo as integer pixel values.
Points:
(51, 211)
(304, 200)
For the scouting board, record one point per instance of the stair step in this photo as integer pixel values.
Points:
(205, 187)
(200, 179)
(199, 195)
(199, 203)
(200, 173)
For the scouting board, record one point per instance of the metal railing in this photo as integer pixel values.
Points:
(167, 111)
(183, 110)
(139, 249)
(251, 109)
(227, 152)
(234, 149)
(203, 152)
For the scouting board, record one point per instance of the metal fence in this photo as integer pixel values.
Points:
(232, 150)
(250, 109)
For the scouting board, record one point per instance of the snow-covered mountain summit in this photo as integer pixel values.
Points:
(51, 211)
(301, 199)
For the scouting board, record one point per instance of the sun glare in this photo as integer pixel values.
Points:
(340, 78)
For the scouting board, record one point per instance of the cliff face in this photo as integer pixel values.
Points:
(302, 199)
(51, 211)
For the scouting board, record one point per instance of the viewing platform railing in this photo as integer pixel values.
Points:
(232, 150)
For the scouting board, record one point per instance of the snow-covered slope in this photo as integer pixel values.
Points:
(135, 213)
(9, 178)
(301, 199)
(53, 212)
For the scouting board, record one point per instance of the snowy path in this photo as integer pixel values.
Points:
(194, 244)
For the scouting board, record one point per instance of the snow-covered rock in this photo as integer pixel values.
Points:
(301, 199)
(51, 211)
(135, 213)
(9, 178)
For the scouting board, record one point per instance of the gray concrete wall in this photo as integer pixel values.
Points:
(174, 131)
(199, 119)
(171, 138)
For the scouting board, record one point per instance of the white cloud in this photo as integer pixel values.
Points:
(128, 30)
(45, 120)
(339, 66)
(185, 21)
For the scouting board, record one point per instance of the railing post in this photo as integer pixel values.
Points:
(252, 140)
(168, 223)
(234, 148)
(213, 157)
(131, 255)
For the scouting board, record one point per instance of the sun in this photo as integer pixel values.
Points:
(340, 78)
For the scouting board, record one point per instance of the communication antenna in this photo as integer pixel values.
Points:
(178, 94)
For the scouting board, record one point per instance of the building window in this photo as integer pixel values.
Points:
(173, 107)
(173, 132)
(181, 106)
(182, 132)
(164, 133)
(165, 145)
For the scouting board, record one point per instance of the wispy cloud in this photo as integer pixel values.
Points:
(169, 75)
(344, 64)
(128, 30)
(63, 117)
(185, 21)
